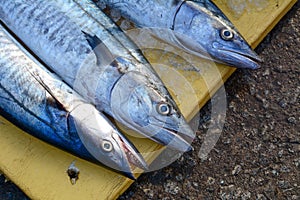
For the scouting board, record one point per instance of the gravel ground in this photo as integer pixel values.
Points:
(258, 153)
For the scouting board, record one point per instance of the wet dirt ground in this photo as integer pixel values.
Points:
(258, 153)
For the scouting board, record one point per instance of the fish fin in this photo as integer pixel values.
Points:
(93, 41)
(49, 90)
(102, 52)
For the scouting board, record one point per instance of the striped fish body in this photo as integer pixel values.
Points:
(157, 13)
(89, 52)
(25, 102)
(40, 103)
(196, 26)
(54, 31)
(153, 13)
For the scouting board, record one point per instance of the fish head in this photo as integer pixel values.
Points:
(144, 105)
(139, 100)
(204, 32)
(104, 142)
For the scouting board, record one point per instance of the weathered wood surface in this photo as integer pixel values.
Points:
(40, 169)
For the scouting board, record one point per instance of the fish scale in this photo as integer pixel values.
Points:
(64, 48)
(196, 26)
(90, 53)
(22, 83)
(69, 45)
(144, 8)
(11, 68)
(99, 24)
(40, 103)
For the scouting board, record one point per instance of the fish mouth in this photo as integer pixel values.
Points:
(244, 58)
(241, 59)
(132, 155)
(94, 129)
(172, 138)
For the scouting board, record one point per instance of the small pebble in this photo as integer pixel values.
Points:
(195, 184)
(246, 195)
(252, 91)
(267, 92)
(172, 188)
(179, 177)
(292, 120)
(236, 170)
(265, 103)
(210, 180)
(275, 173)
(280, 153)
(295, 197)
(261, 197)
(227, 141)
(266, 72)
(148, 192)
(297, 163)
(283, 184)
(282, 103)
(285, 169)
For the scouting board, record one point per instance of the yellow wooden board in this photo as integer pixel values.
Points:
(40, 169)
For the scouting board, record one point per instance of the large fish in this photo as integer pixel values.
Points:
(89, 52)
(198, 27)
(40, 103)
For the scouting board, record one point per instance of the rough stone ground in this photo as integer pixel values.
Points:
(258, 154)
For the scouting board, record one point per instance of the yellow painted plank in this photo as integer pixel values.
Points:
(40, 169)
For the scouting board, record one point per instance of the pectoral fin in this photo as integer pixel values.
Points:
(102, 52)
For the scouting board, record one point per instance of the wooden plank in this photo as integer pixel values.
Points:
(40, 169)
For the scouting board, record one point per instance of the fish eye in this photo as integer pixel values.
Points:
(227, 34)
(164, 109)
(107, 146)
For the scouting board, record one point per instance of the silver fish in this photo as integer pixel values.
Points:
(89, 52)
(198, 27)
(39, 102)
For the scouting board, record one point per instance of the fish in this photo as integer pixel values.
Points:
(91, 54)
(199, 27)
(39, 102)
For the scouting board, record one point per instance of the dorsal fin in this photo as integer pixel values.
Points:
(93, 41)
(102, 52)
